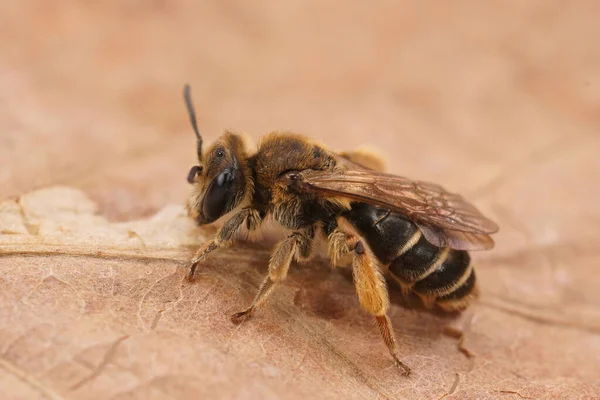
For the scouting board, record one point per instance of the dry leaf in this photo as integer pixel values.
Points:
(496, 101)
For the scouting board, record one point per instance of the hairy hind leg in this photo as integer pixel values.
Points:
(368, 280)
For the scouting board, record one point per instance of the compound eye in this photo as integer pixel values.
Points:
(218, 195)
(194, 171)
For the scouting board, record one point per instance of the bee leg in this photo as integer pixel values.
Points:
(266, 287)
(200, 254)
(373, 296)
(387, 332)
(224, 236)
(369, 282)
(296, 246)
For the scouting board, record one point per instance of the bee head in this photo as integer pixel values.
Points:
(219, 181)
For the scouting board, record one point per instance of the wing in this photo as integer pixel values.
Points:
(446, 219)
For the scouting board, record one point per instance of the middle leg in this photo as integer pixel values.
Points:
(296, 246)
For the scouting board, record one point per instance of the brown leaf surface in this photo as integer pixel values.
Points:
(497, 100)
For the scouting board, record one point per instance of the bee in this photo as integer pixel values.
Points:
(416, 232)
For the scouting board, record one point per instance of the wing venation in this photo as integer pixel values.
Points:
(445, 218)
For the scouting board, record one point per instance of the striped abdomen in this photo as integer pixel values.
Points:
(438, 275)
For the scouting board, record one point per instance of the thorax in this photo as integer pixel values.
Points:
(280, 153)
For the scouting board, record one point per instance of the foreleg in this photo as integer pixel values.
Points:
(224, 236)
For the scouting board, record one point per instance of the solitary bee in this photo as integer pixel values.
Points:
(416, 231)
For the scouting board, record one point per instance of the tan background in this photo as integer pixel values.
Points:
(499, 100)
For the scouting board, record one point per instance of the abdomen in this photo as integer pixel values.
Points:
(440, 276)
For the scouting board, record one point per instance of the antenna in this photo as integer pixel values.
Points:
(190, 107)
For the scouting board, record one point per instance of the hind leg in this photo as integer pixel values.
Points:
(369, 282)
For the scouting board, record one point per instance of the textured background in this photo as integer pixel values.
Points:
(497, 100)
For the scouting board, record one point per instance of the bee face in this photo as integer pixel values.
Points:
(218, 182)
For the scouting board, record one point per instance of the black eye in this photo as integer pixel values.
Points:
(220, 153)
(218, 196)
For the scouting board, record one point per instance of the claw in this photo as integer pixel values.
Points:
(405, 368)
(190, 275)
(241, 316)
